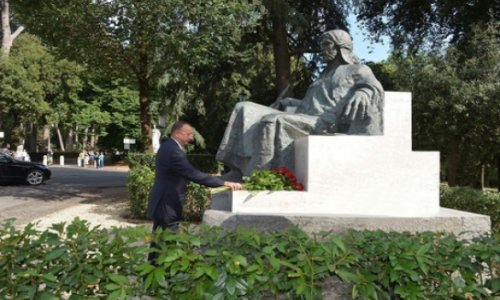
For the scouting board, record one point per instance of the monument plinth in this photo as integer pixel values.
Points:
(360, 182)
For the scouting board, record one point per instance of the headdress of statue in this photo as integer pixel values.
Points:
(342, 39)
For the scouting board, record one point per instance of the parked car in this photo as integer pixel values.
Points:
(13, 170)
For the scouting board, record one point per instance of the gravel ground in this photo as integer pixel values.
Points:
(108, 213)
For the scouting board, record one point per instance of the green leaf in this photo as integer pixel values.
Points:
(240, 260)
(231, 286)
(195, 241)
(211, 252)
(348, 276)
(212, 273)
(46, 296)
(112, 286)
(115, 295)
(495, 285)
(149, 280)
(337, 240)
(49, 277)
(160, 275)
(120, 279)
(54, 254)
(145, 269)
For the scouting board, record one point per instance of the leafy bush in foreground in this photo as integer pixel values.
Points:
(209, 263)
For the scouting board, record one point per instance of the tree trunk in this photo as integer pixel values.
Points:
(22, 131)
(69, 140)
(61, 142)
(33, 138)
(498, 171)
(482, 178)
(76, 135)
(145, 115)
(85, 138)
(92, 138)
(46, 138)
(281, 53)
(7, 36)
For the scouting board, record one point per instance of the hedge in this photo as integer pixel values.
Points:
(203, 262)
(475, 201)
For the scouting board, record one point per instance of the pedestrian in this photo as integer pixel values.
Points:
(81, 159)
(6, 150)
(26, 156)
(173, 171)
(91, 158)
(100, 160)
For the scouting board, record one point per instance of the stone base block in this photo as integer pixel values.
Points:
(463, 224)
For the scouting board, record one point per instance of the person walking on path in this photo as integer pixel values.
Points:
(173, 171)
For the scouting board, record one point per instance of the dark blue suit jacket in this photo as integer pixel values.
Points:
(173, 171)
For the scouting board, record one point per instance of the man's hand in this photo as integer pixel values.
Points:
(357, 105)
(235, 186)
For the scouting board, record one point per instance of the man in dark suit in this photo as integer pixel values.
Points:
(173, 171)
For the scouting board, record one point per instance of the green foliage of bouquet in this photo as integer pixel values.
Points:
(276, 179)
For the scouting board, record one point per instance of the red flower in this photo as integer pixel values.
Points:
(299, 187)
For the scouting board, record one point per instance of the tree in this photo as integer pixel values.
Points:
(137, 40)
(456, 104)
(293, 28)
(428, 24)
(119, 100)
(8, 36)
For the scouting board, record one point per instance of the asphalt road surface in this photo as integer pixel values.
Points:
(68, 186)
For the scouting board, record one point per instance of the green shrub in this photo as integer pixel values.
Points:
(472, 200)
(209, 263)
(135, 159)
(196, 202)
(139, 184)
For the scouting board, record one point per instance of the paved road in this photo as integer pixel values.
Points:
(68, 186)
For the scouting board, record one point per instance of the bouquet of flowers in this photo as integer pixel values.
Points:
(276, 179)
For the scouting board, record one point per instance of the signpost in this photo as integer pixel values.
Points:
(127, 142)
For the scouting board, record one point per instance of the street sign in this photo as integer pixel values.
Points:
(128, 141)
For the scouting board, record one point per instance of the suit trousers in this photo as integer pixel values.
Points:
(166, 218)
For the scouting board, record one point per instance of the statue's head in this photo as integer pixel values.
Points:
(338, 41)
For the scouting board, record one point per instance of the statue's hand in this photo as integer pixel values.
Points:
(357, 106)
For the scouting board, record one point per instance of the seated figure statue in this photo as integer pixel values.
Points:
(345, 99)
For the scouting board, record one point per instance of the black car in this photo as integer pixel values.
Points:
(13, 170)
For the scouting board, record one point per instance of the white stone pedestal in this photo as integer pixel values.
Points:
(362, 176)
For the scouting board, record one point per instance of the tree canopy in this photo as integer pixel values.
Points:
(427, 24)
(138, 40)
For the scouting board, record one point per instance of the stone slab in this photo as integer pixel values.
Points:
(463, 224)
